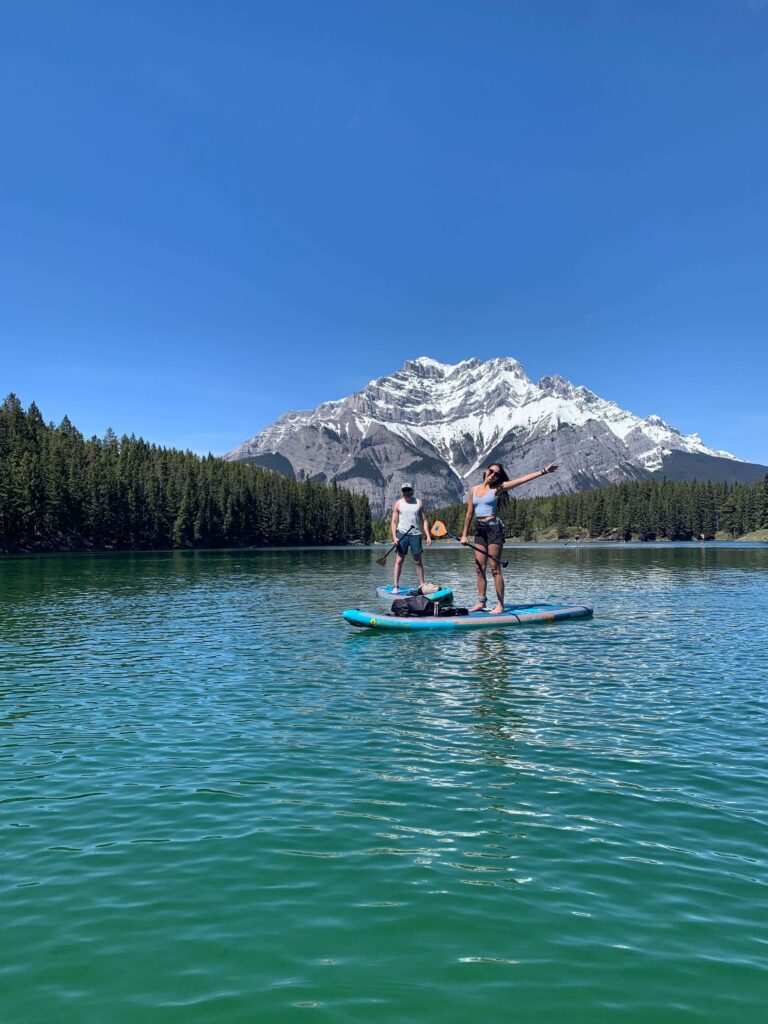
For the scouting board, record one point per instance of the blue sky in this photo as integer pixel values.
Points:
(212, 213)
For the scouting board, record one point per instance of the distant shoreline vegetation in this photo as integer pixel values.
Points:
(644, 510)
(61, 492)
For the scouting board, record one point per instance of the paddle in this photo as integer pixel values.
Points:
(439, 530)
(383, 559)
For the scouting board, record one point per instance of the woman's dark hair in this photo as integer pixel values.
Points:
(501, 477)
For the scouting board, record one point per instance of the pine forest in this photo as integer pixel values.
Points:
(61, 492)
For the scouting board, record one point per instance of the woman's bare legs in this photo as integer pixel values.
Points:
(481, 560)
(498, 579)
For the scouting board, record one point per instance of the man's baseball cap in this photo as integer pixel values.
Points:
(406, 487)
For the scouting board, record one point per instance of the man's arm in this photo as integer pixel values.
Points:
(425, 524)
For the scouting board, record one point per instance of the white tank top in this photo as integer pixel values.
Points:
(409, 513)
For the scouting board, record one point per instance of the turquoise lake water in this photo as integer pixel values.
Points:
(219, 803)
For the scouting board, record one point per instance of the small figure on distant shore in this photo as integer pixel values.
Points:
(483, 502)
(408, 521)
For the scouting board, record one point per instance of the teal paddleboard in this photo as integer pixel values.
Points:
(513, 615)
(388, 595)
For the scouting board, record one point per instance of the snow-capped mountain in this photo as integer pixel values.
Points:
(438, 425)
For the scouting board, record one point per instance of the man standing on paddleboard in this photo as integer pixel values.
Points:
(408, 521)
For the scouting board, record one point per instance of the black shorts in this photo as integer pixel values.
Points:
(489, 533)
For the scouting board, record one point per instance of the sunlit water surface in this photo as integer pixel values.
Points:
(219, 803)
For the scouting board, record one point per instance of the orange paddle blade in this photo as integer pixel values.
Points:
(438, 529)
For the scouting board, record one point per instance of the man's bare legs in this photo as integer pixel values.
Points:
(399, 559)
(419, 569)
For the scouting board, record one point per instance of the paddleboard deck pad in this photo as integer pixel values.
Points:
(388, 595)
(513, 615)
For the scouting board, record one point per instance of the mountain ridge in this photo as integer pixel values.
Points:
(438, 423)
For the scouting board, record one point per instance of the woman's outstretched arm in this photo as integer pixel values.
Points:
(509, 484)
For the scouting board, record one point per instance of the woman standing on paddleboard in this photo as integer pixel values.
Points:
(483, 502)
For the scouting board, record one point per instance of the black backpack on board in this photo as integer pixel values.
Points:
(417, 607)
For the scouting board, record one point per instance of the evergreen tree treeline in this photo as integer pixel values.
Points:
(59, 491)
(644, 509)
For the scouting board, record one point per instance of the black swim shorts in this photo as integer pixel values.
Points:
(489, 533)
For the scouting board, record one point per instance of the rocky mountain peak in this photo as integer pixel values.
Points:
(425, 367)
(557, 386)
(437, 423)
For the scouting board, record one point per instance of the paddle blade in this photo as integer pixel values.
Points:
(438, 529)
(382, 561)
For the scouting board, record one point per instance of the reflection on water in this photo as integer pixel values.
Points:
(217, 796)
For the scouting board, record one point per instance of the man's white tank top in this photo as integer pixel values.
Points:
(409, 513)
